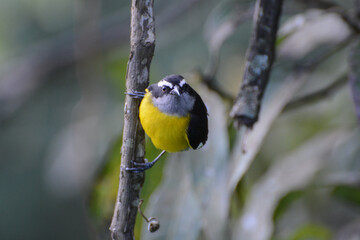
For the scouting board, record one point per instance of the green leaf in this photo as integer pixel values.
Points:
(347, 193)
(311, 232)
(285, 202)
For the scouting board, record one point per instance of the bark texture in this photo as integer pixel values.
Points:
(133, 147)
(259, 59)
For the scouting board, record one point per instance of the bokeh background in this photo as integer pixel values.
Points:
(62, 84)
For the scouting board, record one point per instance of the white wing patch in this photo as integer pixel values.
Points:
(182, 83)
(165, 83)
(200, 145)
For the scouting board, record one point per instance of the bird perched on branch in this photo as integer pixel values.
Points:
(173, 115)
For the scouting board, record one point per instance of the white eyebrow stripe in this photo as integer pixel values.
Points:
(182, 83)
(165, 83)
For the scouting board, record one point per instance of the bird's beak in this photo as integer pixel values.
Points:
(176, 90)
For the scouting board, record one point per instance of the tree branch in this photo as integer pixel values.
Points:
(318, 95)
(349, 18)
(225, 30)
(142, 40)
(310, 66)
(215, 43)
(354, 63)
(260, 56)
(354, 76)
(292, 83)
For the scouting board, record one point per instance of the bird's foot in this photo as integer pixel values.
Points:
(136, 94)
(140, 167)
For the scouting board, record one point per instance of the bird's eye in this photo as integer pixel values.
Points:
(164, 89)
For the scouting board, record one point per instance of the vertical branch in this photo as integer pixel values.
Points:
(142, 40)
(357, 9)
(354, 63)
(259, 59)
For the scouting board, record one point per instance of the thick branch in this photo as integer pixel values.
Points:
(292, 82)
(259, 59)
(133, 147)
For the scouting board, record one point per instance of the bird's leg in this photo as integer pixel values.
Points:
(140, 167)
(136, 94)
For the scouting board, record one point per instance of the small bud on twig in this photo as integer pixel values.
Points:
(153, 223)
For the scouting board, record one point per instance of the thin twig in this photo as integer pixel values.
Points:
(141, 213)
(213, 85)
(215, 43)
(153, 223)
(349, 19)
(321, 4)
(142, 41)
(330, 6)
(221, 34)
(318, 95)
(315, 61)
(312, 65)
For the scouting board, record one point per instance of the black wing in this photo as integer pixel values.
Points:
(197, 131)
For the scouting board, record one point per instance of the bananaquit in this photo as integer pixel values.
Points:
(173, 115)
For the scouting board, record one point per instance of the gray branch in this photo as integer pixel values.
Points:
(317, 95)
(259, 59)
(142, 39)
(354, 76)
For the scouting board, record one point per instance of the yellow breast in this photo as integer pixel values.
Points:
(167, 132)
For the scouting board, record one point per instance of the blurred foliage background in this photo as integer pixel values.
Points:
(62, 73)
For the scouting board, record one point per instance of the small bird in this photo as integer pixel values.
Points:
(173, 115)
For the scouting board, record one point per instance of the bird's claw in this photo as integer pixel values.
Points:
(139, 166)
